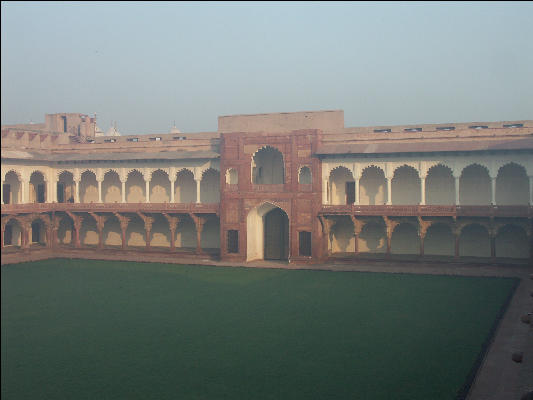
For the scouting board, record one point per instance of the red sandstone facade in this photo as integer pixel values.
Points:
(294, 186)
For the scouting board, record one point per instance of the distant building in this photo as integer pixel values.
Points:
(288, 186)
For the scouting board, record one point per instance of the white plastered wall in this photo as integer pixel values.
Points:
(255, 231)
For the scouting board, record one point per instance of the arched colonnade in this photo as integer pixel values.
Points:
(348, 235)
(436, 183)
(193, 232)
(99, 185)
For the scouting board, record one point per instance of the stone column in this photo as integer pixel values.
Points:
(99, 190)
(325, 191)
(172, 190)
(123, 221)
(457, 178)
(123, 192)
(77, 227)
(357, 227)
(357, 191)
(77, 191)
(423, 226)
(390, 225)
(422, 190)
(389, 191)
(198, 200)
(172, 224)
(147, 190)
(2, 200)
(493, 190)
(199, 222)
(24, 191)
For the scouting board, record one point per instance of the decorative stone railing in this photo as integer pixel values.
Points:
(212, 208)
(430, 210)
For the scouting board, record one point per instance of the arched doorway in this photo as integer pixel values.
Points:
(267, 233)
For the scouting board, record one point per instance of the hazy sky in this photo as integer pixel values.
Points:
(148, 64)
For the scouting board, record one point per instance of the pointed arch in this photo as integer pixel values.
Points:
(440, 185)
(475, 185)
(405, 185)
(268, 166)
(512, 185)
(210, 186)
(372, 186)
(341, 185)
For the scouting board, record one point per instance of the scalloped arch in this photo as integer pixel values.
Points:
(17, 173)
(406, 165)
(479, 164)
(512, 163)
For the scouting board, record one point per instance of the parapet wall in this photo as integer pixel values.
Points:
(281, 122)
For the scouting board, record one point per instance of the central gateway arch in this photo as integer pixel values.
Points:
(267, 227)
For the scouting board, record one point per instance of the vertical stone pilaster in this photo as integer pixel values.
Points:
(493, 190)
(123, 191)
(422, 190)
(147, 183)
(172, 190)
(198, 199)
(389, 190)
(457, 184)
(99, 181)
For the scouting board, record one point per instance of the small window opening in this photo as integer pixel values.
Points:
(445, 128)
(155, 139)
(413, 130)
(110, 140)
(305, 244)
(478, 127)
(304, 176)
(133, 139)
(382, 130)
(233, 241)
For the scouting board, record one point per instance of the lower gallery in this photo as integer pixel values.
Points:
(296, 187)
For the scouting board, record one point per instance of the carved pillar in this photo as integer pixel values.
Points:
(54, 223)
(357, 227)
(198, 200)
(77, 191)
(100, 222)
(357, 190)
(148, 221)
(147, 182)
(457, 181)
(493, 190)
(389, 191)
(199, 222)
(172, 182)
(123, 191)
(24, 189)
(326, 227)
(99, 190)
(390, 225)
(423, 226)
(2, 199)
(77, 227)
(173, 225)
(25, 239)
(123, 221)
(422, 190)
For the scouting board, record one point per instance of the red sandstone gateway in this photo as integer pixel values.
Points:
(298, 187)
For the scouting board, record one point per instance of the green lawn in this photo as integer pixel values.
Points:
(76, 329)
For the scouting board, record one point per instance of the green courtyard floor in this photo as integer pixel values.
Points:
(77, 329)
